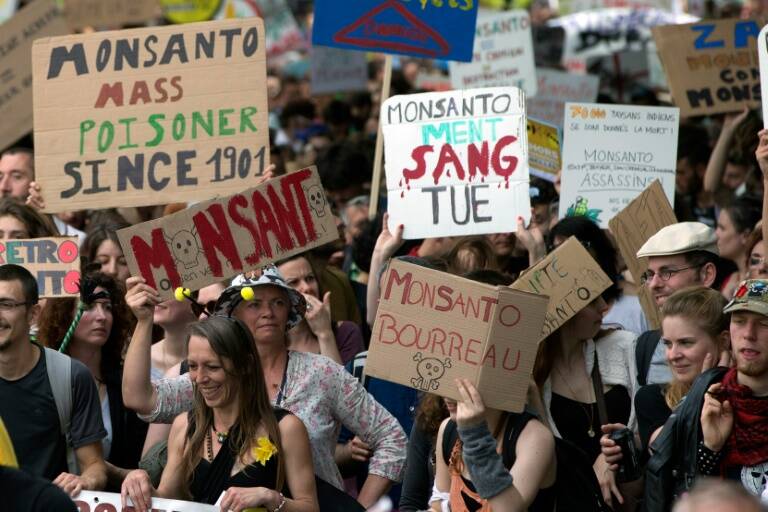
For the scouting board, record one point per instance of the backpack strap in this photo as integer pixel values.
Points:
(59, 369)
(644, 349)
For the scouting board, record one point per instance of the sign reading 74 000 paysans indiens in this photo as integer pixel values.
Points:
(150, 116)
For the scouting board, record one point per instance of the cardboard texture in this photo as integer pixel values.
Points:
(712, 65)
(555, 89)
(632, 227)
(762, 49)
(543, 149)
(335, 70)
(456, 162)
(432, 328)
(109, 13)
(110, 502)
(55, 263)
(40, 18)
(436, 29)
(611, 153)
(502, 55)
(570, 277)
(220, 238)
(175, 114)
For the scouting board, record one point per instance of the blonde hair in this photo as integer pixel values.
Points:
(703, 306)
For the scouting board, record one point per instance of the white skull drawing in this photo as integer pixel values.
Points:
(430, 370)
(185, 248)
(316, 200)
(754, 478)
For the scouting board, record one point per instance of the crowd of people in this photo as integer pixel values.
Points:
(252, 392)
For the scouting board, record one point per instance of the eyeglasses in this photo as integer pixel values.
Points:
(8, 305)
(665, 274)
(756, 260)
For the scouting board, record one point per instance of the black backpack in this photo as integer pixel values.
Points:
(576, 486)
(671, 470)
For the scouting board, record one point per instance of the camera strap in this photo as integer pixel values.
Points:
(597, 384)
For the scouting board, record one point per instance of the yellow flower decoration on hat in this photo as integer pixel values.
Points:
(263, 451)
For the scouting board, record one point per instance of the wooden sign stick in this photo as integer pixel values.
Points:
(377, 156)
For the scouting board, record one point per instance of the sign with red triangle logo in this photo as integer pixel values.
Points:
(438, 29)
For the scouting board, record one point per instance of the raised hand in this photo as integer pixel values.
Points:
(716, 419)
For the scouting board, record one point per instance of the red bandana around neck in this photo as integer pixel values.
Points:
(748, 443)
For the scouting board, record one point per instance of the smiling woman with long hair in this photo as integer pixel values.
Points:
(232, 440)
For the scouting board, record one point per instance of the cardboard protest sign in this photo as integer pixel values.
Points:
(150, 116)
(570, 277)
(422, 28)
(712, 65)
(543, 149)
(335, 70)
(188, 11)
(282, 31)
(109, 13)
(555, 89)
(604, 32)
(502, 56)
(612, 153)
(40, 18)
(632, 227)
(220, 238)
(432, 327)
(91, 501)
(55, 263)
(456, 161)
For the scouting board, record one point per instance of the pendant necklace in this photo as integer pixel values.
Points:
(590, 415)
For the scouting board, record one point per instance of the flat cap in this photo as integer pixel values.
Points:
(680, 238)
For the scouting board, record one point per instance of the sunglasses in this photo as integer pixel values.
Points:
(198, 309)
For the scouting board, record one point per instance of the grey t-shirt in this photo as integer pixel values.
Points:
(659, 372)
(29, 413)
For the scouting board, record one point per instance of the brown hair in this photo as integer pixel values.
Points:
(754, 238)
(37, 225)
(57, 315)
(97, 235)
(477, 246)
(704, 306)
(430, 413)
(231, 340)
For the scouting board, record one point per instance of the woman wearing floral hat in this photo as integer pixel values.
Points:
(232, 441)
(318, 391)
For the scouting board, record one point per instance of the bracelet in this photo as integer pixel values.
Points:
(707, 461)
(282, 503)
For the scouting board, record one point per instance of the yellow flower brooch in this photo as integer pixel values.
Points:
(263, 451)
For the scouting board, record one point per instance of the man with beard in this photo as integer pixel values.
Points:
(28, 404)
(734, 416)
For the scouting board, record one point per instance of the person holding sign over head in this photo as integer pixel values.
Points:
(232, 441)
(318, 391)
(472, 475)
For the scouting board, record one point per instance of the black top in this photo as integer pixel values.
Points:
(651, 409)
(572, 418)
(419, 471)
(210, 479)
(29, 412)
(128, 431)
(25, 493)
